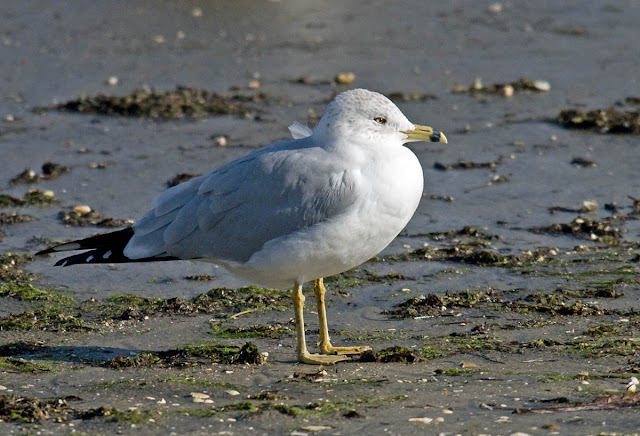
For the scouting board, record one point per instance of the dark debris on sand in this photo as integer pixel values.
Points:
(609, 120)
(180, 178)
(50, 171)
(183, 102)
(606, 230)
(522, 85)
(434, 305)
(21, 409)
(33, 197)
(394, 354)
(92, 218)
(14, 218)
(467, 165)
(192, 356)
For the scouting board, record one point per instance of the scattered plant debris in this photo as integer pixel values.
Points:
(608, 120)
(33, 197)
(434, 305)
(180, 178)
(522, 85)
(610, 402)
(585, 228)
(390, 355)
(78, 217)
(405, 97)
(555, 304)
(201, 277)
(14, 218)
(467, 165)
(192, 356)
(583, 163)
(27, 410)
(273, 331)
(183, 102)
(50, 171)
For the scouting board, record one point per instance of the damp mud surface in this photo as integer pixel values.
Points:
(509, 304)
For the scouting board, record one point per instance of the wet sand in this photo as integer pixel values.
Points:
(525, 246)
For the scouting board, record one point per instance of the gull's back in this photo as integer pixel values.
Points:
(229, 214)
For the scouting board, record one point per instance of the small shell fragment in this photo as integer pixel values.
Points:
(542, 85)
(345, 78)
(507, 90)
(82, 209)
(423, 420)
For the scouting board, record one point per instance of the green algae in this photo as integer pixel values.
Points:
(273, 331)
(15, 364)
(191, 355)
(32, 197)
(395, 354)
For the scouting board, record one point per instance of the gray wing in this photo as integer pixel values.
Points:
(232, 212)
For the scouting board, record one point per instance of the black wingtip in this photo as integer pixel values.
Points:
(46, 251)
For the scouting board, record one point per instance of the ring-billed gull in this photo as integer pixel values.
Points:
(295, 211)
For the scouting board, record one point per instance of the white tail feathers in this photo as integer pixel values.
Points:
(299, 130)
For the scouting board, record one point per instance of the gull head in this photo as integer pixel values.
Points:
(368, 117)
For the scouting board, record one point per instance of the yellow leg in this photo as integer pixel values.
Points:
(325, 343)
(301, 345)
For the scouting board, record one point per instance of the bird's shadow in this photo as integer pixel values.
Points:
(93, 356)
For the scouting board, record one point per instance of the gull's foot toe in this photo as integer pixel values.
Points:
(330, 349)
(321, 359)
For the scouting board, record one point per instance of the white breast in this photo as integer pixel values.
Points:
(389, 190)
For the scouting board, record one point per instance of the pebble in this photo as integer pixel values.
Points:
(495, 8)
(507, 90)
(345, 78)
(48, 193)
(590, 205)
(632, 386)
(3, 388)
(112, 81)
(200, 395)
(542, 85)
(196, 12)
(316, 428)
(254, 84)
(220, 141)
(422, 420)
(232, 392)
(82, 209)
(9, 118)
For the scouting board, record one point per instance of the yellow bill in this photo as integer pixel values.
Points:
(425, 133)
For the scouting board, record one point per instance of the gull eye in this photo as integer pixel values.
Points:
(380, 120)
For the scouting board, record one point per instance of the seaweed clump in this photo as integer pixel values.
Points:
(584, 228)
(183, 102)
(33, 197)
(434, 305)
(192, 356)
(608, 120)
(390, 355)
(522, 85)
